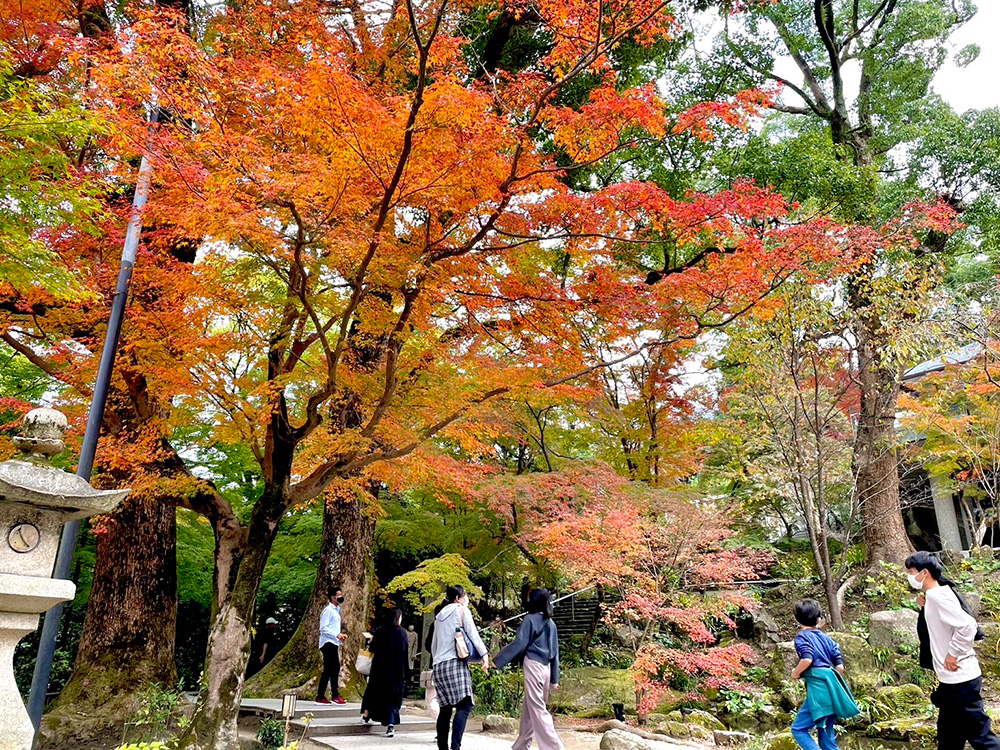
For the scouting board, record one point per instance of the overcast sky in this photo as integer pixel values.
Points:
(978, 85)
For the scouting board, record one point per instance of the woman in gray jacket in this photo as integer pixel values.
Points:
(452, 678)
(537, 647)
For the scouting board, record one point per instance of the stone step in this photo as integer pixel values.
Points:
(339, 727)
(271, 708)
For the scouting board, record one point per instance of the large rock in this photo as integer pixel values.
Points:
(765, 629)
(791, 694)
(893, 629)
(783, 661)
(501, 724)
(728, 739)
(771, 717)
(975, 601)
(619, 739)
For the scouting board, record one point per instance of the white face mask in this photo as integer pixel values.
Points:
(914, 583)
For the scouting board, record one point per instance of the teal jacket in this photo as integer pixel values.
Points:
(827, 694)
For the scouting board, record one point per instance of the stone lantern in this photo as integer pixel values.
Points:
(36, 499)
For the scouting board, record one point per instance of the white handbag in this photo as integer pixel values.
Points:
(363, 664)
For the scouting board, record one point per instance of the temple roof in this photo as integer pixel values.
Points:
(938, 364)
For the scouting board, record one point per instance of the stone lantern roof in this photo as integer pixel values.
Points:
(32, 481)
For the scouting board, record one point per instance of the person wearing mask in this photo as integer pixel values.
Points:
(536, 647)
(330, 639)
(452, 678)
(384, 695)
(948, 632)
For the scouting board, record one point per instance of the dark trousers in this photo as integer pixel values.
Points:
(331, 671)
(962, 718)
(462, 711)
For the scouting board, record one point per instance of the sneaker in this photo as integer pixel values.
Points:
(324, 701)
(366, 719)
(339, 701)
(391, 731)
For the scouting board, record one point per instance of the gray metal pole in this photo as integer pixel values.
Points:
(71, 531)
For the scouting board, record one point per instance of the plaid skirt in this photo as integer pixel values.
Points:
(453, 681)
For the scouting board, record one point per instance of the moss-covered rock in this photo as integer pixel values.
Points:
(592, 690)
(904, 697)
(783, 661)
(858, 655)
(743, 722)
(863, 672)
(770, 717)
(783, 741)
(905, 729)
(704, 719)
(682, 731)
(791, 694)
(989, 658)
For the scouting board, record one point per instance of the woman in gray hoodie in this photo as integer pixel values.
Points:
(452, 678)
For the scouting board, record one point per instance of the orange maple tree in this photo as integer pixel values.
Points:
(381, 215)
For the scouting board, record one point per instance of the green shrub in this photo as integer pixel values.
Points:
(271, 734)
(737, 702)
(497, 691)
(155, 709)
(796, 566)
(888, 586)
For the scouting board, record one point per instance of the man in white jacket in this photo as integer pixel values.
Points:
(951, 636)
(330, 639)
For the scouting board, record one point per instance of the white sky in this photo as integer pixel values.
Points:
(978, 85)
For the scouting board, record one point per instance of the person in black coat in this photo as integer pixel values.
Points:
(384, 694)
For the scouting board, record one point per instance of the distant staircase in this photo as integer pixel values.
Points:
(576, 616)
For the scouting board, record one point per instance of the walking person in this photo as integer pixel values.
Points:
(536, 646)
(452, 678)
(828, 698)
(384, 695)
(331, 637)
(948, 632)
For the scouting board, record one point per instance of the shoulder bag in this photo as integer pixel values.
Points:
(464, 646)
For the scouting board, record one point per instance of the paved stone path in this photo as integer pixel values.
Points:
(409, 741)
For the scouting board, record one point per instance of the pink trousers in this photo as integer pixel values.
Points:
(536, 721)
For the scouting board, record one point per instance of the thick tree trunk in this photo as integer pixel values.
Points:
(876, 462)
(345, 560)
(239, 566)
(127, 642)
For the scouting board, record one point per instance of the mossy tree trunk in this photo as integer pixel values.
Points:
(127, 643)
(345, 560)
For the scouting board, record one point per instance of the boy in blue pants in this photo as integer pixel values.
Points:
(828, 697)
